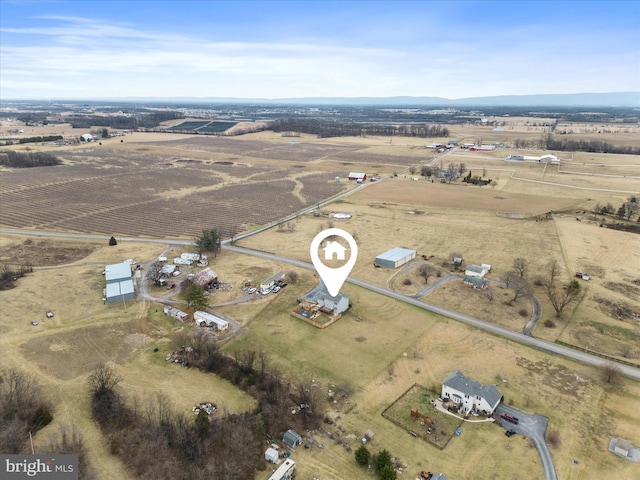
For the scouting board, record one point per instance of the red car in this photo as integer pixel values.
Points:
(509, 418)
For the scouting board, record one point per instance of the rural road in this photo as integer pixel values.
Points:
(522, 338)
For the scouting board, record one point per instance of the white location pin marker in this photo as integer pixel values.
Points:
(333, 278)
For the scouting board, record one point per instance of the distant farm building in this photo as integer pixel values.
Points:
(357, 177)
(284, 471)
(547, 158)
(395, 257)
(175, 313)
(482, 148)
(87, 137)
(119, 284)
(167, 270)
(204, 319)
(206, 278)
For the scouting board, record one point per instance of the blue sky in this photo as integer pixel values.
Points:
(266, 49)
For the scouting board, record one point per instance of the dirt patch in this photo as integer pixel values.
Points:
(559, 377)
(630, 291)
(68, 355)
(43, 253)
(618, 310)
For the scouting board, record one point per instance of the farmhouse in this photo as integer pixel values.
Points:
(478, 283)
(471, 396)
(292, 439)
(204, 319)
(395, 257)
(477, 270)
(284, 471)
(271, 281)
(357, 177)
(206, 278)
(173, 312)
(119, 284)
(326, 302)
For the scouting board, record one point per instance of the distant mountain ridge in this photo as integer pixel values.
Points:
(611, 99)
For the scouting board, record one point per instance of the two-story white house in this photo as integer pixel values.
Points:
(471, 396)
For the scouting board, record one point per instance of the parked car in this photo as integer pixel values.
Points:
(276, 290)
(34, 323)
(253, 290)
(509, 418)
(510, 432)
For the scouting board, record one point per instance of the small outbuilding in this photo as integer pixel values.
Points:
(271, 455)
(292, 439)
(395, 257)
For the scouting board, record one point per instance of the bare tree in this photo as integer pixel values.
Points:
(103, 380)
(520, 265)
(611, 374)
(561, 297)
(426, 271)
(489, 293)
(293, 276)
(553, 271)
(520, 287)
(631, 206)
(509, 278)
(412, 169)
(597, 209)
(426, 171)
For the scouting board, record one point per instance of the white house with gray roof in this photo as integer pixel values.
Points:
(470, 395)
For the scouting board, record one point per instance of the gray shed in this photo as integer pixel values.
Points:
(292, 439)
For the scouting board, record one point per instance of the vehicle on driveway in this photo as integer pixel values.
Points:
(34, 323)
(509, 418)
(510, 432)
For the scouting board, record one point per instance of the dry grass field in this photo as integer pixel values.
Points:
(171, 185)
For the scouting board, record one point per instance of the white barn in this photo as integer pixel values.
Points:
(471, 395)
(395, 257)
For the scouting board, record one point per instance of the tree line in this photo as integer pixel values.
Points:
(168, 444)
(11, 159)
(9, 274)
(123, 122)
(550, 142)
(334, 128)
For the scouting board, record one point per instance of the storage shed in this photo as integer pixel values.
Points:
(271, 455)
(292, 439)
(205, 278)
(395, 257)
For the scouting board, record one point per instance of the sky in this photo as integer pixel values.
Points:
(296, 48)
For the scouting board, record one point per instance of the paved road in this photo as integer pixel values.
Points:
(534, 427)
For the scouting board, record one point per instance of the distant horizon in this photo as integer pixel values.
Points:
(317, 49)
(603, 99)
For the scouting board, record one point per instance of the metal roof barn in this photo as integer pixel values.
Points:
(119, 285)
(395, 257)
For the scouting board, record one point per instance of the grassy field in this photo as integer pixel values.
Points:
(151, 184)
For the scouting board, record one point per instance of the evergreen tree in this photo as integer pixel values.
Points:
(196, 298)
(363, 456)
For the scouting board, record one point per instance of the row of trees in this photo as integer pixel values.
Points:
(171, 445)
(12, 159)
(381, 462)
(551, 142)
(334, 128)
(9, 274)
(123, 122)
(628, 209)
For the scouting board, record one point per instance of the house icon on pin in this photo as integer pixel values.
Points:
(334, 248)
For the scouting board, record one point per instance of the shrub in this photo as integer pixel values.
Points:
(523, 312)
(406, 281)
(549, 323)
(553, 438)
